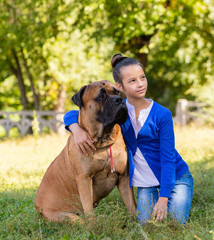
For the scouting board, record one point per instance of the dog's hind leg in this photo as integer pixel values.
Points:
(73, 218)
(62, 216)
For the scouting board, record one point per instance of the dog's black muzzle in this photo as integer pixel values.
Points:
(114, 111)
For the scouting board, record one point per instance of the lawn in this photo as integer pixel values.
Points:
(22, 165)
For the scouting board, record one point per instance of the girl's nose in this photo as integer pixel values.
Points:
(139, 83)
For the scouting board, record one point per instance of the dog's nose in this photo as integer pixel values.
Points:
(118, 99)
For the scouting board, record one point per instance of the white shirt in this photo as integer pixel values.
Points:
(143, 175)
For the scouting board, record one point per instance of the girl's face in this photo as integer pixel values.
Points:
(134, 82)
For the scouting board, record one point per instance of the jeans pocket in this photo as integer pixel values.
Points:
(186, 179)
(188, 174)
(189, 178)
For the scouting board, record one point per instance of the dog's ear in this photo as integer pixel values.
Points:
(77, 98)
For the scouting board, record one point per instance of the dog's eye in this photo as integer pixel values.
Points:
(116, 91)
(102, 96)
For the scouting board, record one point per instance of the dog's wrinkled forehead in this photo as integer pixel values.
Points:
(97, 89)
(92, 91)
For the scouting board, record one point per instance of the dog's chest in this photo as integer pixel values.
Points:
(102, 160)
(103, 183)
(103, 179)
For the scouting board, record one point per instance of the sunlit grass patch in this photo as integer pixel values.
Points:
(22, 166)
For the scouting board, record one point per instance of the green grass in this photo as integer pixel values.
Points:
(22, 166)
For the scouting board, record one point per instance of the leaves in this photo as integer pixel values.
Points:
(71, 43)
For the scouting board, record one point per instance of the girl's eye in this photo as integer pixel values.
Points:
(131, 80)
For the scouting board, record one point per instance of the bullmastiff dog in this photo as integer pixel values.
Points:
(74, 183)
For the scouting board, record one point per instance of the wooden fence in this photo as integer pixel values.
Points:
(23, 121)
(185, 112)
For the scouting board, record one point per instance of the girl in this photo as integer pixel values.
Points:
(163, 180)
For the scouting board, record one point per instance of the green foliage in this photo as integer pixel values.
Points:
(21, 175)
(66, 44)
(24, 29)
(75, 60)
(181, 54)
(173, 39)
(9, 94)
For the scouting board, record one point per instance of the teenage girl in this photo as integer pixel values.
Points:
(163, 180)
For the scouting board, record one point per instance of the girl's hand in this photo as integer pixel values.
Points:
(160, 209)
(82, 139)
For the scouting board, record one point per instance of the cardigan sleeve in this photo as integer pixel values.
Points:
(167, 154)
(70, 118)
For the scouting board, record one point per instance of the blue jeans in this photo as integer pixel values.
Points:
(179, 203)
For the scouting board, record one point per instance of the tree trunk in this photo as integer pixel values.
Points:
(136, 43)
(61, 108)
(18, 73)
(142, 57)
(35, 95)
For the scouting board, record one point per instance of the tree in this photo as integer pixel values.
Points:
(173, 39)
(24, 28)
(53, 45)
(75, 60)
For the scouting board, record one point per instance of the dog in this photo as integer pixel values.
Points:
(74, 183)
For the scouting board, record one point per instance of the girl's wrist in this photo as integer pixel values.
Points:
(73, 127)
(164, 199)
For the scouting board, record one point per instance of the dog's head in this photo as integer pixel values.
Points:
(100, 102)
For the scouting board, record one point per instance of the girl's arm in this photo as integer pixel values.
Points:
(81, 137)
(167, 154)
(70, 118)
(167, 157)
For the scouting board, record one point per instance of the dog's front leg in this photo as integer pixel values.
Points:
(127, 193)
(84, 185)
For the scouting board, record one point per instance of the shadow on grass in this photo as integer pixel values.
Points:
(203, 174)
(202, 210)
(19, 219)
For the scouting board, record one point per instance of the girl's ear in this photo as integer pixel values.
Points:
(119, 87)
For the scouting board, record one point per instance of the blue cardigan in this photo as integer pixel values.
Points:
(156, 142)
